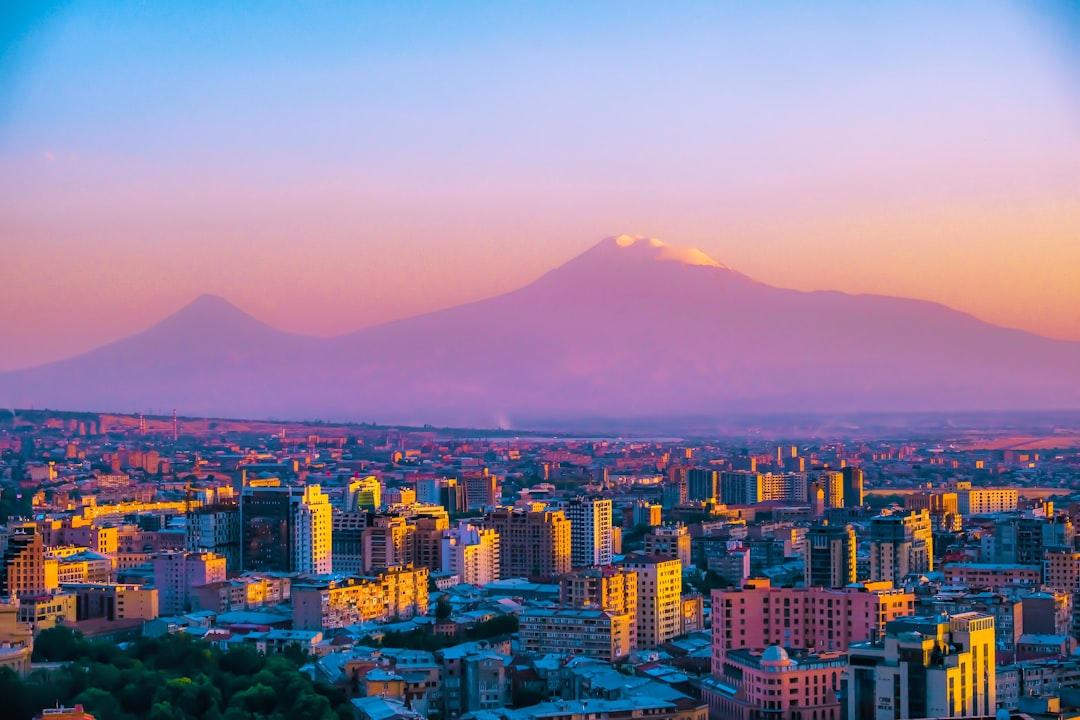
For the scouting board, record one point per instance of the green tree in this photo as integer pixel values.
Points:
(60, 644)
(496, 626)
(443, 609)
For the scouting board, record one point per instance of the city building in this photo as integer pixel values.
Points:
(832, 484)
(25, 570)
(659, 589)
(901, 545)
(533, 544)
(986, 501)
(481, 490)
(829, 555)
(1061, 569)
(596, 633)
(813, 618)
(286, 529)
(754, 683)
(364, 494)
(216, 529)
(741, 488)
(733, 565)
(387, 542)
(176, 574)
(16, 638)
(114, 601)
(393, 594)
(471, 553)
(853, 487)
(347, 541)
(702, 485)
(669, 541)
(642, 513)
(590, 531)
(608, 588)
(925, 667)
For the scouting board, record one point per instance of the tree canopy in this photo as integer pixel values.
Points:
(170, 678)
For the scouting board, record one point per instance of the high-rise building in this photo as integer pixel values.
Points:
(642, 513)
(741, 487)
(427, 539)
(452, 496)
(1061, 569)
(590, 531)
(364, 494)
(702, 485)
(347, 541)
(675, 490)
(853, 487)
(901, 544)
(669, 541)
(1023, 540)
(832, 482)
(216, 529)
(533, 544)
(286, 529)
(829, 552)
(937, 666)
(481, 490)
(176, 574)
(659, 587)
(387, 542)
(24, 570)
(471, 553)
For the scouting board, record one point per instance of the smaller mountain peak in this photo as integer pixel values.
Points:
(655, 249)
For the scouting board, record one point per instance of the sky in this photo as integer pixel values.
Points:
(331, 165)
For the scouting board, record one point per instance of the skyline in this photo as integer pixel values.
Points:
(332, 167)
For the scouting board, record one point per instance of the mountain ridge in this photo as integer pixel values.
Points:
(630, 327)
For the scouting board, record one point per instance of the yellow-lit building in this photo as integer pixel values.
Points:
(47, 611)
(937, 666)
(114, 601)
(659, 588)
(23, 568)
(395, 593)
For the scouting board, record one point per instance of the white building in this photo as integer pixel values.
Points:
(471, 553)
(313, 531)
(590, 531)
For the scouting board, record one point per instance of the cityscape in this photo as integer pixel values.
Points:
(427, 573)
(591, 360)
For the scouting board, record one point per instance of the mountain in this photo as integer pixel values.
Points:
(632, 328)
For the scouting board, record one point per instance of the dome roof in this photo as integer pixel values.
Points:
(775, 655)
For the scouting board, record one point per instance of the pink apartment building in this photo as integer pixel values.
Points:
(759, 615)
